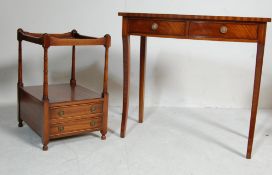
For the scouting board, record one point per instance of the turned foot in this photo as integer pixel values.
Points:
(103, 137)
(248, 156)
(20, 124)
(45, 148)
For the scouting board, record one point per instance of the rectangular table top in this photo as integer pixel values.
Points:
(194, 17)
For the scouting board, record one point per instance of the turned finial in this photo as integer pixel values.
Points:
(74, 32)
(108, 40)
(19, 31)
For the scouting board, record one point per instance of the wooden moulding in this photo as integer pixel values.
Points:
(194, 17)
(65, 39)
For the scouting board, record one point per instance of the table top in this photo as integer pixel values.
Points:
(194, 17)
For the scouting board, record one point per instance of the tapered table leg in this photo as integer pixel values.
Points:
(126, 64)
(142, 78)
(256, 89)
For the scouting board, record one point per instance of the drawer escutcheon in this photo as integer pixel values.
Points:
(61, 113)
(60, 128)
(93, 108)
(92, 123)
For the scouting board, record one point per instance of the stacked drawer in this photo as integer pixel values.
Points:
(75, 118)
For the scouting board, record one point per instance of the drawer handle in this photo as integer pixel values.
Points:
(93, 109)
(60, 128)
(155, 26)
(92, 123)
(223, 29)
(61, 113)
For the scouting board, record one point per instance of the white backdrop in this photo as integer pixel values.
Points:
(181, 73)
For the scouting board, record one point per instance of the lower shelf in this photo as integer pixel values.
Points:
(62, 93)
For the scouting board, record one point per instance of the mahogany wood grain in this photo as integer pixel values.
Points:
(59, 120)
(93, 123)
(65, 39)
(256, 87)
(75, 110)
(45, 74)
(63, 93)
(104, 128)
(201, 29)
(73, 69)
(45, 128)
(126, 70)
(164, 27)
(20, 79)
(214, 28)
(105, 93)
(31, 111)
(62, 110)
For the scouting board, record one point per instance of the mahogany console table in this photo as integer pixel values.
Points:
(215, 28)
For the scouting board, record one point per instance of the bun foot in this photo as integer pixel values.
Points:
(20, 124)
(45, 148)
(103, 137)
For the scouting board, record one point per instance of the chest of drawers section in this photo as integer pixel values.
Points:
(71, 119)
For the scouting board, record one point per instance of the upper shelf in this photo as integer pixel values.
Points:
(65, 39)
(194, 17)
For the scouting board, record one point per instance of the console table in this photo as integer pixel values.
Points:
(215, 28)
(61, 110)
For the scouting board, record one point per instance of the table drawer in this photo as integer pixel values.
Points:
(76, 126)
(203, 29)
(75, 110)
(156, 27)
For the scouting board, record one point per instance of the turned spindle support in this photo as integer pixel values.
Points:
(105, 93)
(20, 76)
(45, 132)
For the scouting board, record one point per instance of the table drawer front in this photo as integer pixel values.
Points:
(223, 30)
(156, 27)
(75, 110)
(76, 126)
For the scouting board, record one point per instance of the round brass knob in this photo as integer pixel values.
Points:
(93, 108)
(61, 113)
(155, 26)
(223, 29)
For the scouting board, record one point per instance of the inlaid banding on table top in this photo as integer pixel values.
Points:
(194, 17)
